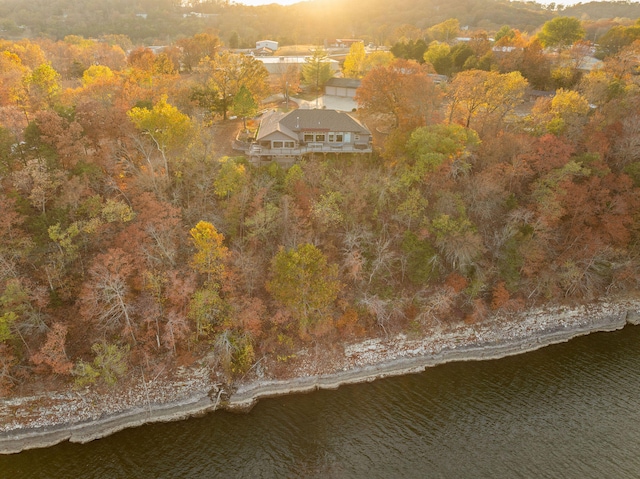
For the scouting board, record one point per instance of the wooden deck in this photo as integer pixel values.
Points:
(259, 151)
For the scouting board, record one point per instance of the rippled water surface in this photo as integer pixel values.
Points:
(569, 411)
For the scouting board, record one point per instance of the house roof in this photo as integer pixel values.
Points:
(344, 82)
(331, 120)
(299, 120)
(262, 51)
(271, 123)
(348, 40)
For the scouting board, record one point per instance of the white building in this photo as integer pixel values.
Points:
(270, 44)
(278, 65)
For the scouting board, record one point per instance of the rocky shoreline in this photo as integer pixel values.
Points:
(90, 416)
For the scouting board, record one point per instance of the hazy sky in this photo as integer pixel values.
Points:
(289, 2)
(266, 2)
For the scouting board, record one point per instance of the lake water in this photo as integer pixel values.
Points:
(567, 411)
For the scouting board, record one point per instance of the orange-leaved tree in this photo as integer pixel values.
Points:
(402, 92)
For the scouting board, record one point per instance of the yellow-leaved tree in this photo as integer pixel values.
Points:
(207, 308)
(304, 283)
(165, 125)
(564, 114)
(354, 63)
(484, 97)
(210, 252)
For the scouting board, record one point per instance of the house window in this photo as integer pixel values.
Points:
(277, 144)
(320, 136)
(289, 144)
(308, 137)
(332, 137)
(339, 137)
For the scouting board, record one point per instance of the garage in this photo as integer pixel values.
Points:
(342, 87)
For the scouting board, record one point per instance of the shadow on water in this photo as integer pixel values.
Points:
(568, 411)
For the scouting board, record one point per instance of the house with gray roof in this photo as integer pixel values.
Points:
(287, 137)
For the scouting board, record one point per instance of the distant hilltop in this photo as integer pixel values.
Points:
(311, 22)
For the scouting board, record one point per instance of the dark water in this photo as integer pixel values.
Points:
(567, 411)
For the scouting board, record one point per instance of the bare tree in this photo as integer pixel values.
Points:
(105, 296)
(385, 311)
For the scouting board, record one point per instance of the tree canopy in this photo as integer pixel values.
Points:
(317, 70)
(561, 32)
(303, 281)
(402, 91)
(135, 238)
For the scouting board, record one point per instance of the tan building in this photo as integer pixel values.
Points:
(286, 137)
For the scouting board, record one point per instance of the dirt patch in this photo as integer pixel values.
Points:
(223, 135)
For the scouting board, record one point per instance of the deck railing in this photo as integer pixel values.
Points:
(258, 150)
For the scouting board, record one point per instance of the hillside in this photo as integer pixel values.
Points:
(601, 10)
(162, 21)
(135, 245)
(313, 22)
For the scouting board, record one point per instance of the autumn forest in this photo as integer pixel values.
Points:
(133, 237)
